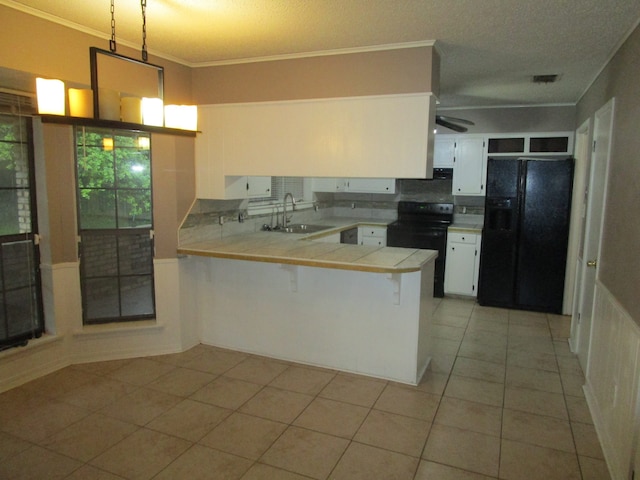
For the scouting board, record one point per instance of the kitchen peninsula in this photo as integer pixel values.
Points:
(355, 308)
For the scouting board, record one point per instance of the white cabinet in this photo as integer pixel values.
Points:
(470, 166)
(372, 235)
(354, 185)
(328, 184)
(444, 148)
(462, 264)
(371, 185)
(247, 187)
(382, 136)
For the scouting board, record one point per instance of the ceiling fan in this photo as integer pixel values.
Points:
(452, 123)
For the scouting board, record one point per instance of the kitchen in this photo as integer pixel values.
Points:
(80, 346)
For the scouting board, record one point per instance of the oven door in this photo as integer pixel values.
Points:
(430, 238)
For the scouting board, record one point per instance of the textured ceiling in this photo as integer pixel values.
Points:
(489, 48)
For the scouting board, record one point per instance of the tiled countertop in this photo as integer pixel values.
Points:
(466, 228)
(294, 249)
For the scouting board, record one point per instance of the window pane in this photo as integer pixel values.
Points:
(97, 209)
(22, 310)
(14, 165)
(9, 218)
(99, 255)
(134, 208)
(101, 298)
(3, 318)
(18, 265)
(137, 295)
(95, 168)
(12, 129)
(133, 169)
(136, 254)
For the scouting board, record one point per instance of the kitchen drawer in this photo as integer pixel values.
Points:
(462, 237)
(374, 231)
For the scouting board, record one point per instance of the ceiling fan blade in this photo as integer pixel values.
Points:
(464, 121)
(449, 125)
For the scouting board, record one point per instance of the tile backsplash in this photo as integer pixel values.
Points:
(204, 219)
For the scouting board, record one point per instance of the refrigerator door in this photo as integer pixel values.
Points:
(497, 280)
(544, 232)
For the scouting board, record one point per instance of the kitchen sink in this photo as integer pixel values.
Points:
(303, 228)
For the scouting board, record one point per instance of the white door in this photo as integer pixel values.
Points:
(596, 194)
(575, 252)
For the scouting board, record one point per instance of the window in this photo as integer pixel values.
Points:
(115, 221)
(280, 186)
(21, 314)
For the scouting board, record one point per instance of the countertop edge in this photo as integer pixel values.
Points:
(305, 262)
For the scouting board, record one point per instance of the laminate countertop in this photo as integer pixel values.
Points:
(309, 250)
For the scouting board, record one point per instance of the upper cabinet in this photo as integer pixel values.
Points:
(469, 166)
(444, 148)
(534, 144)
(387, 136)
(247, 187)
(354, 185)
(371, 185)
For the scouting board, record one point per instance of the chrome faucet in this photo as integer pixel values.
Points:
(284, 208)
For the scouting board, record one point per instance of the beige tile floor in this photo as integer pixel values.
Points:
(502, 399)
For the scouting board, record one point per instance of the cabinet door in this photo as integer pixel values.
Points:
(328, 184)
(444, 151)
(247, 187)
(371, 185)
(259, 186)
(470, 168)
(460, 268)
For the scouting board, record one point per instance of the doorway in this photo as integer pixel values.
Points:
(587, 265)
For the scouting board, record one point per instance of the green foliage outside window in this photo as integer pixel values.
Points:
(114, 179)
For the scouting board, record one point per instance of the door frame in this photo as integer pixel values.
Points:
(594, 221)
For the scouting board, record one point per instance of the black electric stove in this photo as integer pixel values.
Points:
(423, 225)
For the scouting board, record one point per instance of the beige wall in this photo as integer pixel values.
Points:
(619, 261)
(33, 45)
(407, 70)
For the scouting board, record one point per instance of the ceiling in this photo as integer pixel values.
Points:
(490, 49)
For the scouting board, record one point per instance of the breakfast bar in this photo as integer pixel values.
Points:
(354, 308)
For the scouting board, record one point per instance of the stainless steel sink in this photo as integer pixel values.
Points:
(303, 228)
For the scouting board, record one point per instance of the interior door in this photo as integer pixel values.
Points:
(596, 194)
(575, 253)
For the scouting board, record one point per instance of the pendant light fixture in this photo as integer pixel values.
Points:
(113, 101)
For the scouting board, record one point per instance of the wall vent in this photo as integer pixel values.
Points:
(545, 78)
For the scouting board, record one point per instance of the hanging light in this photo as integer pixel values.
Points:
(50, 94)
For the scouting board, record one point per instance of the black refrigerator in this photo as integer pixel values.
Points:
(526, 231)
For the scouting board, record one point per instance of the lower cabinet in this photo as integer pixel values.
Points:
(462, 263)
(371, 235)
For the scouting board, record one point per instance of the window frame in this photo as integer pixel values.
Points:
(118, 232)
(33, 237)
